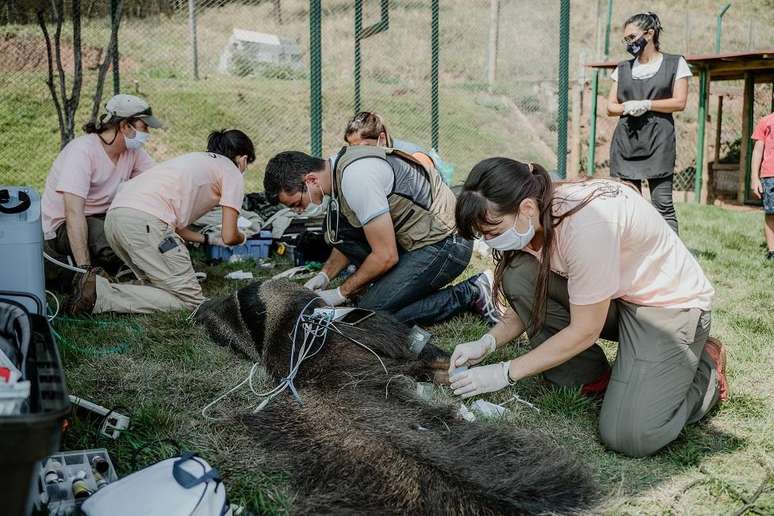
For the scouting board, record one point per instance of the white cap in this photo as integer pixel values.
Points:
(129, 106)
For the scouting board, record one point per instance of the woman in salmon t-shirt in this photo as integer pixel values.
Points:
(147, 228)
(580, 260)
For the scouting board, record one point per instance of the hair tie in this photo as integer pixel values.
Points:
(531, 168)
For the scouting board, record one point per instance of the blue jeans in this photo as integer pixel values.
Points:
(413, 289)
(768, 195)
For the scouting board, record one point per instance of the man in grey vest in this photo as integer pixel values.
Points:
(391, 216)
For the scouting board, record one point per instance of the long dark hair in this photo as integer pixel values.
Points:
(496, 187)
(231, 143)
(646, 21)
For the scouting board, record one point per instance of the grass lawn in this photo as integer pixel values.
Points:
(162, 370)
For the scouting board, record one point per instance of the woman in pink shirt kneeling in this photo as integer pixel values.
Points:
(84, 180)
(581, 260)
(147, 228)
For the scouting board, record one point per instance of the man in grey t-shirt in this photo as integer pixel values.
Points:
(395, 223)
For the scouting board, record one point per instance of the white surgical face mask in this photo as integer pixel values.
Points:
(140, 139)
(313, 209)
(511, 239)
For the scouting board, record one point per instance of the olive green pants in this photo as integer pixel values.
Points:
(101, 254)
(661, 378)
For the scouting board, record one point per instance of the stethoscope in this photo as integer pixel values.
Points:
(331, 235)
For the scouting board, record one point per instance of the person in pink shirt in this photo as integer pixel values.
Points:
(763, 175)
(84, 179)
(584, 259)
(147, 222)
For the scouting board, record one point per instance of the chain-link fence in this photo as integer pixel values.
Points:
(206, 64)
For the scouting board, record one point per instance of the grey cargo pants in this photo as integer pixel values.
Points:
(661, 379)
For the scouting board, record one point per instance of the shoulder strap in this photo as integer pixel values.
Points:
(405, 156)
(189, 480)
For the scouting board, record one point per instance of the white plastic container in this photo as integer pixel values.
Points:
(21, 248)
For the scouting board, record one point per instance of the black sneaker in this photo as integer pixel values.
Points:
(485, 305)
(770, 255)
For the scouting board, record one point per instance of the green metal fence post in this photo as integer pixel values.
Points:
(719, 26)
(315, 76)
(591, 163)
(749, 125)
(702, 119)
(434, 77)
(360, 34)
(358, 58)
(564, 86)
(116, 57)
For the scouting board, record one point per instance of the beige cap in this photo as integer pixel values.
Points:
(129, 106)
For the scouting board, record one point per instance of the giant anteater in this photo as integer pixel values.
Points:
(362, 442)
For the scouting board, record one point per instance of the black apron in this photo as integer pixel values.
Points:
(643, 147)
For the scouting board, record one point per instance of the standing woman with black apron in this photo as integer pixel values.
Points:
(646, 91)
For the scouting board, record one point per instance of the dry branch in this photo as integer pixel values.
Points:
(50, 79)
(108, 58)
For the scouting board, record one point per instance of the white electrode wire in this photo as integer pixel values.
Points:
(196, 310)
(361, 345)
(224, 395)
(315, 328)
(286, 382)
(519, 399)
(56, 312)
(64, 265)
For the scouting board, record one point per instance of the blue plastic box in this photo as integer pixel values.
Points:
(253, 248)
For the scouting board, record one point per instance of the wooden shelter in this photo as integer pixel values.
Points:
(752, 67)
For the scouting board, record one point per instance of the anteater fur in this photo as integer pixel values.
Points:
(362, 442)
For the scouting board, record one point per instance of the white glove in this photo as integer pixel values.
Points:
(332, 297)
(318, 282)
(217, 240)
(472, 353)
(636, 107)
(480, 380)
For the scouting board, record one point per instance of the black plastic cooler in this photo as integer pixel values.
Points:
(28, 438)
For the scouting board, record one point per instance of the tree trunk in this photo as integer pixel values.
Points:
(277, 11)
(108, 58)
(66, 106)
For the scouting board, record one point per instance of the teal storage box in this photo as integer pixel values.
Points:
(253, 248)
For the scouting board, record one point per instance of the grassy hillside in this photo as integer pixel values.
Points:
(517, 118)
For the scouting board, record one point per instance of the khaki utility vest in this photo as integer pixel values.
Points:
(421, 204)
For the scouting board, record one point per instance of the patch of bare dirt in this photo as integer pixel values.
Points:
(24, 53)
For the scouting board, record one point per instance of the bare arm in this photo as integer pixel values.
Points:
(229, 229)
(678, 100)
(755, 169)
(335, 264)
(508, 328)
(380, 234)
(77, 229)
(586, 323)
(190, 236)
(614, 108)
